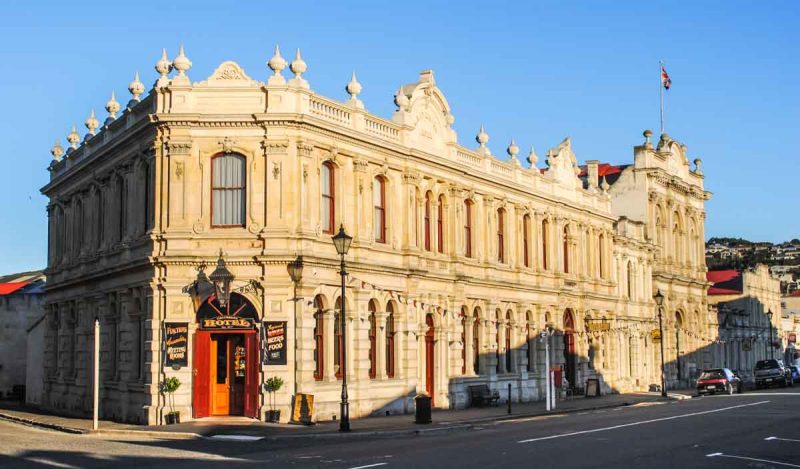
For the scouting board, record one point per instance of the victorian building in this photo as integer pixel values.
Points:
(460, 260)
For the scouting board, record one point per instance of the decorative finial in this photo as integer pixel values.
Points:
(483, 138)
(532, 157)
(112, 106)
(136, 88)
(604, 185)
(181, 63)
(163, 66)
(647, 134)
(353, 88)
(276, 64)
(92, 124)
(73, 138)
(298, 67)
(401, 100)
(698, 166)
(57, 151)
(512, 149)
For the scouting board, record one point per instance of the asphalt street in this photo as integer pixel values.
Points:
(756, 429)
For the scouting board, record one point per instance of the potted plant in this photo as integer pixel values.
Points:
(168, 388)
(273, 385)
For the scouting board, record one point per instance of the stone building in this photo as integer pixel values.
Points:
(747, 305)
(21, 297)
(459, 259)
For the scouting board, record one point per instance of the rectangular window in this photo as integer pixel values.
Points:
(501, 254)
(525, 228)
(379, 202)
(227, 190)
(440, 225)
(327, 202)
(467, 228)
(390, 344)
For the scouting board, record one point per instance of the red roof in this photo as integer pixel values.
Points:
(10, 287)
(726, 282)
(603, 169)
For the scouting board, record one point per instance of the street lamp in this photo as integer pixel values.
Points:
(771, 348)
(659, 297)
(222, 278)
(341, 241)
(295, 269)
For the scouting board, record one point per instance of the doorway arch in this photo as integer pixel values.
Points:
(226, 358)
(569, 347)
(678, 327)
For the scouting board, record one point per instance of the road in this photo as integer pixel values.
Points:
(750, 430)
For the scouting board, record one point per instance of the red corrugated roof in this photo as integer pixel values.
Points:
(725, 282)
(603, 169)
(717, 276)
(10, 287)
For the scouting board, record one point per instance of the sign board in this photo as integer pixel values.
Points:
(176, 340)
(655, 334)
(597, 326)
(303, 408)
(226, 322)
(592, 387)
(275, 343)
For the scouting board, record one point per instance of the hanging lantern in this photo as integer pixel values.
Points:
(222, 278)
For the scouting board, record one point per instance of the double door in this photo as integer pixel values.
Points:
(228, 370)
(226, 379)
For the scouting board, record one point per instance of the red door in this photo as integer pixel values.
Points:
(429, 358)
(251, 378)
(201, 374)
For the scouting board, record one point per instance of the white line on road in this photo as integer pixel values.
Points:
(639, 423)
(50, 462)
(237, 437)
(781, 439)
(723, 455)
(370, 465)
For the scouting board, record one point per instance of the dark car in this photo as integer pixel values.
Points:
(718, 380)
(771, 372)
(795, 373)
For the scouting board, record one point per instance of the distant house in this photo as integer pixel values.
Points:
(21, 310)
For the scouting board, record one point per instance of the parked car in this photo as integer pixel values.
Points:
(795, 373)
(718, 380)
(771, 372)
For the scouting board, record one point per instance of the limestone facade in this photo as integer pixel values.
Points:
(452, 246)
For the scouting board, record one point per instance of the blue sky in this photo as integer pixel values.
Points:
(533, 71)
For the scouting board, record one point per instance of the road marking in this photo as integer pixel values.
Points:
(530, 419)
(370, 465)
(781, 439)
(640, 423)
(237, 437)
(49, 462)
(723, 455)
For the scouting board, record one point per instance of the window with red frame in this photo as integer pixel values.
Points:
(379, 202)
(468, 228)
(428, 221)
(319, 340)
(373, 331)
(328, 198)
(390, 340)
(440, 225)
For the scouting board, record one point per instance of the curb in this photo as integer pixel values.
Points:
(37, 423)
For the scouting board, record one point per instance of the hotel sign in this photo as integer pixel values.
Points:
(226, 322)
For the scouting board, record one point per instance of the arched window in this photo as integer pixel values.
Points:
(526, 227)
(501, 220)
(121, 212)
(476, 341)
(428, 202)
(147, 186)
(373, 336)
(601, 255)
(566, 249)
(319, 340)
(78, 231)
(631, 275)
(468, 228)
(338, 342)
(678, 327)
(440, 225)
(509, 368)
(100, 226)
(497, 315)
(390, 340)
(676, 242)
(227, 190)
(463, 340)
(416, 217)
(531, 341)
(328, 197)
(545, 242)
(379, 200)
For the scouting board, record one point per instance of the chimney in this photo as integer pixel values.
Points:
(592, 174)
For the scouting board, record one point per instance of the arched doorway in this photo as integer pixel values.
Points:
(569, 347)
(678, 327)
(429, 357)
(226, 359)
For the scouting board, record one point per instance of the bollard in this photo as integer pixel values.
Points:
(509, 398)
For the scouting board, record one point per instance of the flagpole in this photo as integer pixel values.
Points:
(661, 91)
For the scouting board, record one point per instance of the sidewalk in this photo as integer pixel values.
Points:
(244, 428)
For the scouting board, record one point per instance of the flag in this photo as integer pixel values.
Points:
(665, 80)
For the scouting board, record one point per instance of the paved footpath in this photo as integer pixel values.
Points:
(443, 420)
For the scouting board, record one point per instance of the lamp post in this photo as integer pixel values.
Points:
(659, 297)
(295, 269)
(341, 241)
(222, 278)
(771, 348)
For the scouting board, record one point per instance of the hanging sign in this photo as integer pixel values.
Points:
(226, 322)
(176, 338)
(275, 343)
(597, 326)
(655, 334)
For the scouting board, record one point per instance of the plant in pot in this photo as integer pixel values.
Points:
(273, 385)
(168, 388)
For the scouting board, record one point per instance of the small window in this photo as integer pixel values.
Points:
(501, 220)
(319, 339)
(545, 242)
(440, 225)
(526, 226)
(328, 199)
(428, 221)
(390, 340)
(468, 228)
(227, 190)
(379, 201)
(373, 335)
